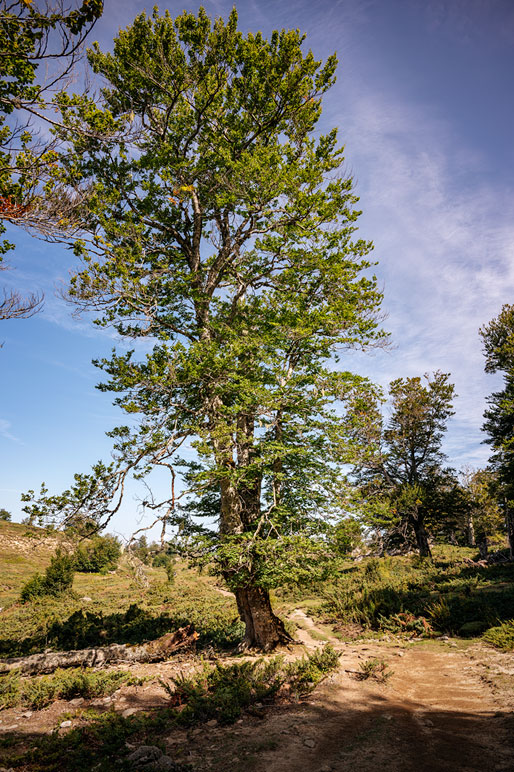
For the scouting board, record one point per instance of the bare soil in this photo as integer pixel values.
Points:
(446, 707)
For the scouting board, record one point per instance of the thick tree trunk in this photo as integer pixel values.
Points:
(263, 628)
(421, 538)
(153, 651)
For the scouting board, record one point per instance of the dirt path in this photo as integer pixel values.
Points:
(443, 709)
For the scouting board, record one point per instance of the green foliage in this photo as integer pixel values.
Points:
(37, 693)
(99, 555)
(58, 578)
(498, 338)
(422, 597)
(224, 691)
(502, 636)
(5, 515)
(348, 536)
(377, 669)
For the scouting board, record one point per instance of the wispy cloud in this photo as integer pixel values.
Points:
(6, 434)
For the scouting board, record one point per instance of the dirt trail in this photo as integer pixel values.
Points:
(442, 710)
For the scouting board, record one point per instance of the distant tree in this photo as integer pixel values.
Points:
(498, 339)
(485, 518)
(30, 37)
(5, 515)
(224, 233)
(399, 462)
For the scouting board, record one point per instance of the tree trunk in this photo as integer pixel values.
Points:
(263, 628)
(421, 538)
(470, 532)
(153, 651)
(509, 519)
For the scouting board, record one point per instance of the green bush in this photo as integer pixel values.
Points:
(224, 691)
(37, 693)
(99, 555)
(502, 636)
(5, 515)
(57, 579)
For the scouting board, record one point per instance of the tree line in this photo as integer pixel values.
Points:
(213, 220)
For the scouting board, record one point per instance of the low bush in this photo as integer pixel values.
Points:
(37, 693)
(502, 637)
(224, 691)
(58, 578)
(99, 555)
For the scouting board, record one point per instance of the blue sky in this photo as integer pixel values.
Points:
(425, 108)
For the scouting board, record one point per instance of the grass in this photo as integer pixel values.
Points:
(377, 669)
(37, 693)
(406, 595)
(120, 610)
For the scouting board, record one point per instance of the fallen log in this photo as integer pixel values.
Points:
(153, 651)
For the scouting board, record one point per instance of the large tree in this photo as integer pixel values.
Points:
(399, 461)
(224, 234)
(498, 338)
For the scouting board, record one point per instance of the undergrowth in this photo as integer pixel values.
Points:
(502, 637)
(421, 597)
(220, 691)
(37, 693)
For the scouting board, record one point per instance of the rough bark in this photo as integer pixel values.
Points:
(264, 629)
(421, 538)
(153, 651)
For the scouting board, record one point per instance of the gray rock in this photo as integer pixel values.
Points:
(130, 712)
(77, 701)
(86, 599)
(309, 742)
(145, 754)
(65, 724)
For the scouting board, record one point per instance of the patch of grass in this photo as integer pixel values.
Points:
(502, 637)
(422, 597)
(37, 693)
(68, 622)
(377, 669)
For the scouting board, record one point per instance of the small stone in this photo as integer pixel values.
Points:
(106, 700)
(212, 722)
(325, 768)
(65, 724)
(309, 742)
(146, 754)
(27, 714)
(87, 599)
(13, 726)
(239, 721)
(130, 712)
(428, 722)
(77, 701)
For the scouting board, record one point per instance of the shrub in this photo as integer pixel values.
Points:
(502, 636)
(37, 693)
(99, 555)
(223, 691)
(5, 515)
(57, 579)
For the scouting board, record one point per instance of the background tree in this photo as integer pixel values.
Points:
(498, 339)
(399, 463)
(223, 233)
(485, 518)
(29, 37)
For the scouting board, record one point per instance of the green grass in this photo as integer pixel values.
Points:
(420, 597)
(37, 693)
